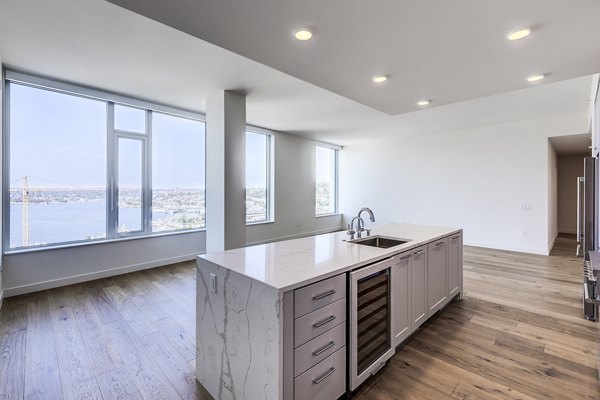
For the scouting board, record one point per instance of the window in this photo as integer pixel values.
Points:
(129, 119)
(130, 184)
(257, 177)
(178, 159)
(57, 168)
(83, 168)
(326, 180)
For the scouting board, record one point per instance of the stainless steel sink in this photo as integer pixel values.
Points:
(382, 242)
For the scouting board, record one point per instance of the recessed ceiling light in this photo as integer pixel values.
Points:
(303, 34)
(423, 103)
(519, 34)
(535, 78)
(380, 78)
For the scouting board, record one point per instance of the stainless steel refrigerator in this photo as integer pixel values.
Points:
(586, 207)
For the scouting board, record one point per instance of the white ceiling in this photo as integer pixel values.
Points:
(98, 44)
(448, 51)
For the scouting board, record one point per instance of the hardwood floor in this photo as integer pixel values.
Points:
(518, 334)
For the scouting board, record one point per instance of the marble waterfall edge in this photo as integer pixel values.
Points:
(239, 355)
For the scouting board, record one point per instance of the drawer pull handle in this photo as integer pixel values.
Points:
(323, 295)
(320, 379)
(325, 321)
(418, 252)
(324, 348)
(440, 244)
(406, 257)
(455, 237)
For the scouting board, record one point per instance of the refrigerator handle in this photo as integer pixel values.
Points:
(578, 209)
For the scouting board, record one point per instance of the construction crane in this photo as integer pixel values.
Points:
(25, 210)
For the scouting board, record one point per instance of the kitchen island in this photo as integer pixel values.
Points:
(275, 321)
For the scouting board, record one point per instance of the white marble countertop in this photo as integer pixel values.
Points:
(290, 264)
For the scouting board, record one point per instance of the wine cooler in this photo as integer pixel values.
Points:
(370, 321)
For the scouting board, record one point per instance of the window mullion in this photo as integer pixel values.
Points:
(147, 173)
(111, 168)
(5, 164)
(269, 181)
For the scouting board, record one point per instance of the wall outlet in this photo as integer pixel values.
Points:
(524, 234)
(213, 283)
(298, 224)
(525, 207)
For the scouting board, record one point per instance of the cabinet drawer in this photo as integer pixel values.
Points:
(319, 321)
(319, 348)
(324, 381)
(319, 294)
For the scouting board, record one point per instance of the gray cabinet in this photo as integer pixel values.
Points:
(401, 296)
(418, 286)
(437, 275)
(319, 321)
(320, 294)
(324, 381)
(314, 340)
(422, 279)
(454, 264)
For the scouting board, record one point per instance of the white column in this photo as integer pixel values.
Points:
(225, 171)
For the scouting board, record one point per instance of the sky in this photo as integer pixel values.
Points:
(325, 164)
(55, 139)
(59, 140)
(256, 160)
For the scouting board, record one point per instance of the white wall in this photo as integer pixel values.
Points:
(476, 179)
(42, 269)
(294, 185)
(552, 196)
(569, 168)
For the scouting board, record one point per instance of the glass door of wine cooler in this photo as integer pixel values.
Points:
(371, 320)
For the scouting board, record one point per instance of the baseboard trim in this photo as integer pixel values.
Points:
(295, 236)
(38, 286)
(1, 298)
(529, 250)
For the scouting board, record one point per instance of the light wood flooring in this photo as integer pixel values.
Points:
(518, 334)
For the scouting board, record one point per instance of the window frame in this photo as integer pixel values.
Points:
(270, 198)
(113, 186)
(336, 153)
(112, 138)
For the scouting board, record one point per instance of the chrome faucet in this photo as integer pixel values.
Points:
(360, 224)
(350, 232)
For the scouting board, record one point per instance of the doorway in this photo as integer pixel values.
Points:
(569, 153)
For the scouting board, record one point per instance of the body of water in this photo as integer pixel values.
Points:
(67, 222)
